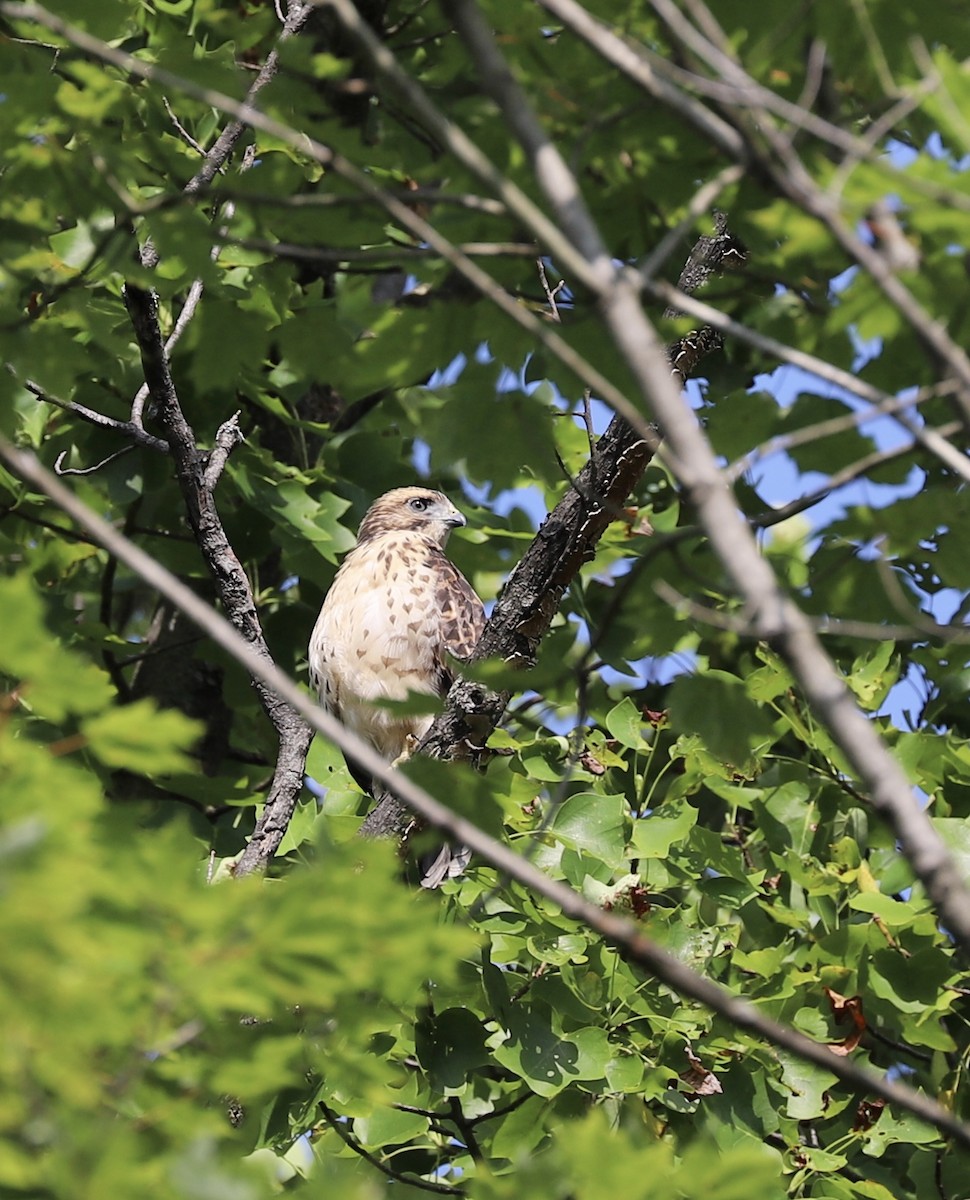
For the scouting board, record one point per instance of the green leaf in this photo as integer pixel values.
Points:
(625, 723)
(892, 1128)
(531, 1048)
(654, 835)
(911, 984)
(138, 737)
(873, 675)
(451, 1045)
(896, 913)
(594, 824)
(716, 706)
(52, 680)
(807, 1087)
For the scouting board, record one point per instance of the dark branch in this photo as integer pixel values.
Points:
(197, 474)
(128, 428)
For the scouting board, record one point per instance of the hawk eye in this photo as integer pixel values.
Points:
(419, 503)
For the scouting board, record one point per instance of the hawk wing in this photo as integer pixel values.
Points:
(461, 616)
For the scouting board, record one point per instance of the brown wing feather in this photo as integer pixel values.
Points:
(461, 615)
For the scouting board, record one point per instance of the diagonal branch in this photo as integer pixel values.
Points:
(774, 616)
(130, 429)
(773, 152)
(948, 454)
(619, 931)
(221, 149)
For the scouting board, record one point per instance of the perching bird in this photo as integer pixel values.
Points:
(397, 613)
(896, 249)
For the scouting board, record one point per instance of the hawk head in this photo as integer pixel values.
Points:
(418, 510)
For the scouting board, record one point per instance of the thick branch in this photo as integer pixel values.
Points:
(774, 617)
(197, 474)
(566, 540)
(569, 535)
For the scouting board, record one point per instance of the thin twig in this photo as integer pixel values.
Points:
(550, 291)
(181, 130)
(415, 196)
(129, 428)
(415, 1181)
(377, 255)
(228, 436)
(813, 433)
(60, 469)
(840, 479)
(939, 447)
(745, 626)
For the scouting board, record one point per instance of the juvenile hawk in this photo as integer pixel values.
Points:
(397, 611)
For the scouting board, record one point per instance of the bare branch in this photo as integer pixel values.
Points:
(920, 630)
(840, 479)
(550, 292)
(665, 82)
(196, 478)
(833, 425)
(228, 436)
(460, 145)
(181, 130)
(129, 428)
(60, 469)
(413, 196)
(186, 314)
(940, 447)
(773, 615)
(333, 256)
(219, 152)
(773, 151)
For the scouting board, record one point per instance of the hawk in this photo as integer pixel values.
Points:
(397, 614)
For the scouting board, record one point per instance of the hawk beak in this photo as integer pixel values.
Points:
(455, 519)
